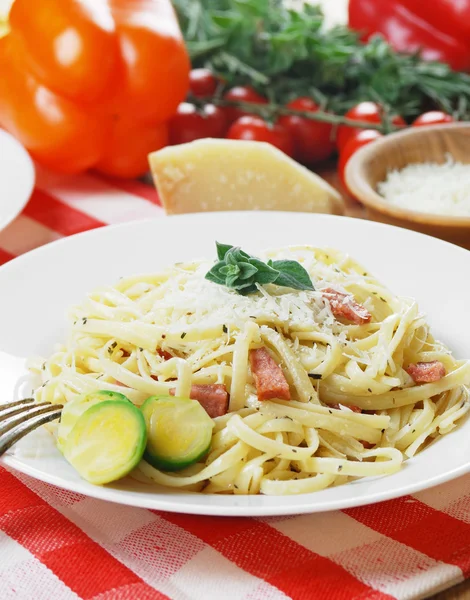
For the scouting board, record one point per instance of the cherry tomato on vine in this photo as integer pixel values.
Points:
(368, 112)
(256, 129)
(202, 83)
(360, 139)
(241, 94)
(433, 117)
(190, 124)
(312, 139)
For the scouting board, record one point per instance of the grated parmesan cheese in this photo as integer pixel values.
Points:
(441, 189)
(198, 301)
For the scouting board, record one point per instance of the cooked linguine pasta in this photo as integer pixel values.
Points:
(354, 409)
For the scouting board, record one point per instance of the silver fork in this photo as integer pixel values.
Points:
(17, 419)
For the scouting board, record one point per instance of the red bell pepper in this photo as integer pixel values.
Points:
(440, 29)
(92, 83)
(449, 16)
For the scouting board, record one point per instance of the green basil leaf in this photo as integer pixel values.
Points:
(230, 257)
(214, 274)
(247, 270)
(261, 266)
(232, 281)
(248, 290)
(222, 250)
(241, 272)
(230, 270)
(235, 255)
(241, 285)
(267, 277)
(293, 275)
(238, 254)
(265, 273)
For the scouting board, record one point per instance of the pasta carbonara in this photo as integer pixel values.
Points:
(307, 389)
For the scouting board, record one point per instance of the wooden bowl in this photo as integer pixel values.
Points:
(370, 165)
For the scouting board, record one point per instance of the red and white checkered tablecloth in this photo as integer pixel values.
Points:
(57, 545)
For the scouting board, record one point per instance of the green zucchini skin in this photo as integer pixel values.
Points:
(74, 409)
(107, 441)
(179, 432)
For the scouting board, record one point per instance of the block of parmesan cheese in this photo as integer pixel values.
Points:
(217, 174)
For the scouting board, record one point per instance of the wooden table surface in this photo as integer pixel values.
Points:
(353, 209)
(329, 173)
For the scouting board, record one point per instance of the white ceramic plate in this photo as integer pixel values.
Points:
(38, 287)
(16, 178)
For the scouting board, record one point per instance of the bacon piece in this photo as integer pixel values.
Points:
(269, 378)
(367, 445)
(164, 354)
(343, 306)
(353, 407)
(426, 372)
(213, 398)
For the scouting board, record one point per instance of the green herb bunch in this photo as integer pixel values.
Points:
(286, 53)
(239, 271)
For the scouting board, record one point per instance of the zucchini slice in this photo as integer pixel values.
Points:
(179, 432)
(107, 441)
(74, 409)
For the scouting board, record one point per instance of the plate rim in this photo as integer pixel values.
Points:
(159, 501)
(28, 163)
(201, 215)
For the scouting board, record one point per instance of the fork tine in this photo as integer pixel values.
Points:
(19, 416)
(17, 403)
(26, 426)
(10, 410)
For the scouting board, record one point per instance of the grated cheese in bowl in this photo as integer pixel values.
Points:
(441, 189)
